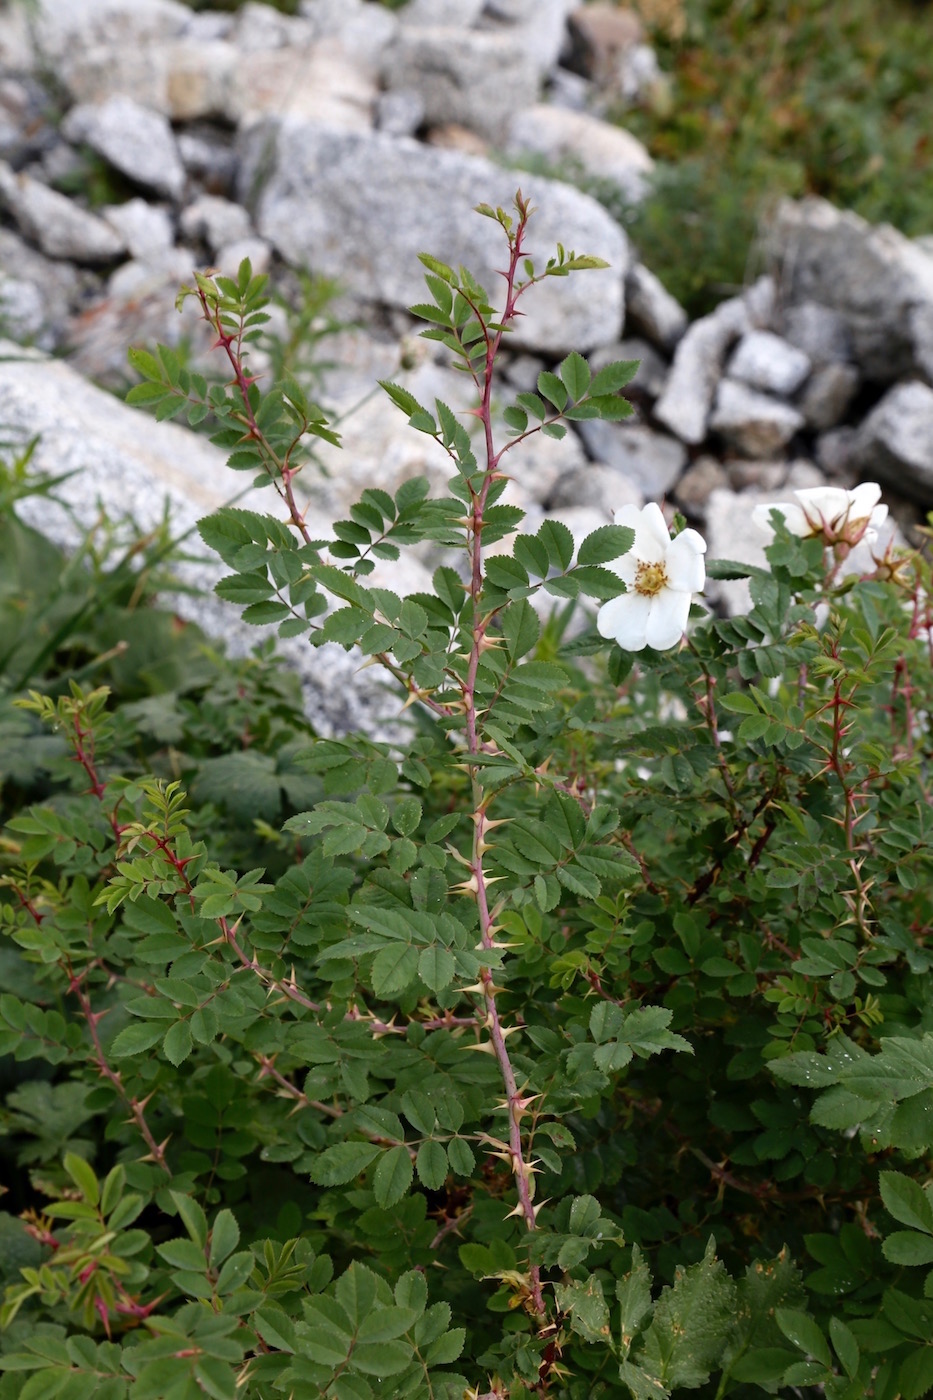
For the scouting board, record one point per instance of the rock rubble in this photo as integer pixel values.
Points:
(345, 140)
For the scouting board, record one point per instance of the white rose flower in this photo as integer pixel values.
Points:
(840, 516)
(660, 575)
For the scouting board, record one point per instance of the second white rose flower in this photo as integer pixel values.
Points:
(840, 516)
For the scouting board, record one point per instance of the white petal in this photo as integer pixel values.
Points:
(652, 537)
(625, 567)
(668, 619)
(685, 567)
(797, 522)
(878, 516)
(624, 620)
(607, 619)
(824, 506)
(863, 500)
(628, 515)
(761, 516)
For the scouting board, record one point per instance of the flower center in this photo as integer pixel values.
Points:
(650, 578)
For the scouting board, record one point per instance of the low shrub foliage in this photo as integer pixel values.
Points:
(578, 1043)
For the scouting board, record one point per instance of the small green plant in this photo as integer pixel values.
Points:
(771, 99)
(576, 1045)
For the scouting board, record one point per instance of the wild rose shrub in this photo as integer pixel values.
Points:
(578, 1045)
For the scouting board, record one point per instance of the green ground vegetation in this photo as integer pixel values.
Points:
(770, 98)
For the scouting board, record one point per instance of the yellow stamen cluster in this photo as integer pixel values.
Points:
(650, 578)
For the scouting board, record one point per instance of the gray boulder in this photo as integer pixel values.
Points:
(22, 311)
(28, 275)
(597, 486)
(652, 310)
(699, 481)
(895, 442)
(766, 362)
(133, 139)
(539, 27)
(399, 113)
(821, 333)
(361, 207)
(829, 394)
(921, 331)
(651, 461)
(215, 221)
(64, 27)
(468, 77)
(602, 151)
(319, 82)
(753, 423)
(872, 275)
(145, 228)
(134, 466)
(61, 228)
(685, 405)
(427, 13)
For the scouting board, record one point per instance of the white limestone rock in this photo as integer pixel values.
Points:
(258, 27)
(652, 461)
(595, 485)
(134, 139)
(753, 423)
(145, 228)
(828, 395)
(894, 444)
(765, 361)
(63, 28)
(872, 275)
(61, 228)
(820, 332)
(361, 207)
(215, 221)
(460, 14)
(467, 77)
(601, 150)
(319, 83)
(132, 464)
(651, 310)
(685, 405)
(29, 275)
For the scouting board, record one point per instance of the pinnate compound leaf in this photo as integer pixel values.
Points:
(607, 542)
(633, 1293)
(192, 1216)
(225, 1236)
(355, 1291)
(613, 377)
(393, 1176)
(691, 1323)
(586, 1306)
(343, 1162)
(575, 373)
(432, 1165)
(907, 1201)
(908, 1247)
(394, 969)
(177, 1043)
(83, 1176)
(798, 1327)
